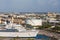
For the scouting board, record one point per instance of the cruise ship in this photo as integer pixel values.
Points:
(16, 30)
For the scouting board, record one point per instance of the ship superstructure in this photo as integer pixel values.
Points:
(17, 30)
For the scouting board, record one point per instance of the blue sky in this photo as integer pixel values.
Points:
(29, 5)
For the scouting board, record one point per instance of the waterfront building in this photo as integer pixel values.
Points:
(51, 14)
(18, 20)
(34, 22)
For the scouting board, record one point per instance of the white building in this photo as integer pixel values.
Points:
(34, 22)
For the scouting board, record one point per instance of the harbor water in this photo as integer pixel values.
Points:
(44, 37)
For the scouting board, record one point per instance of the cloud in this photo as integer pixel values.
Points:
(47, 2)
(48, 5)
(29, 5)
(53, 2)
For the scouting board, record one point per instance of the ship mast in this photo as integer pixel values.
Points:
(12, 22)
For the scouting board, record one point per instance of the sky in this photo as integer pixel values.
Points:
(29, 5)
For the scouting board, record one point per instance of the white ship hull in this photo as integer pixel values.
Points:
(19, 34)
(22, 32)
